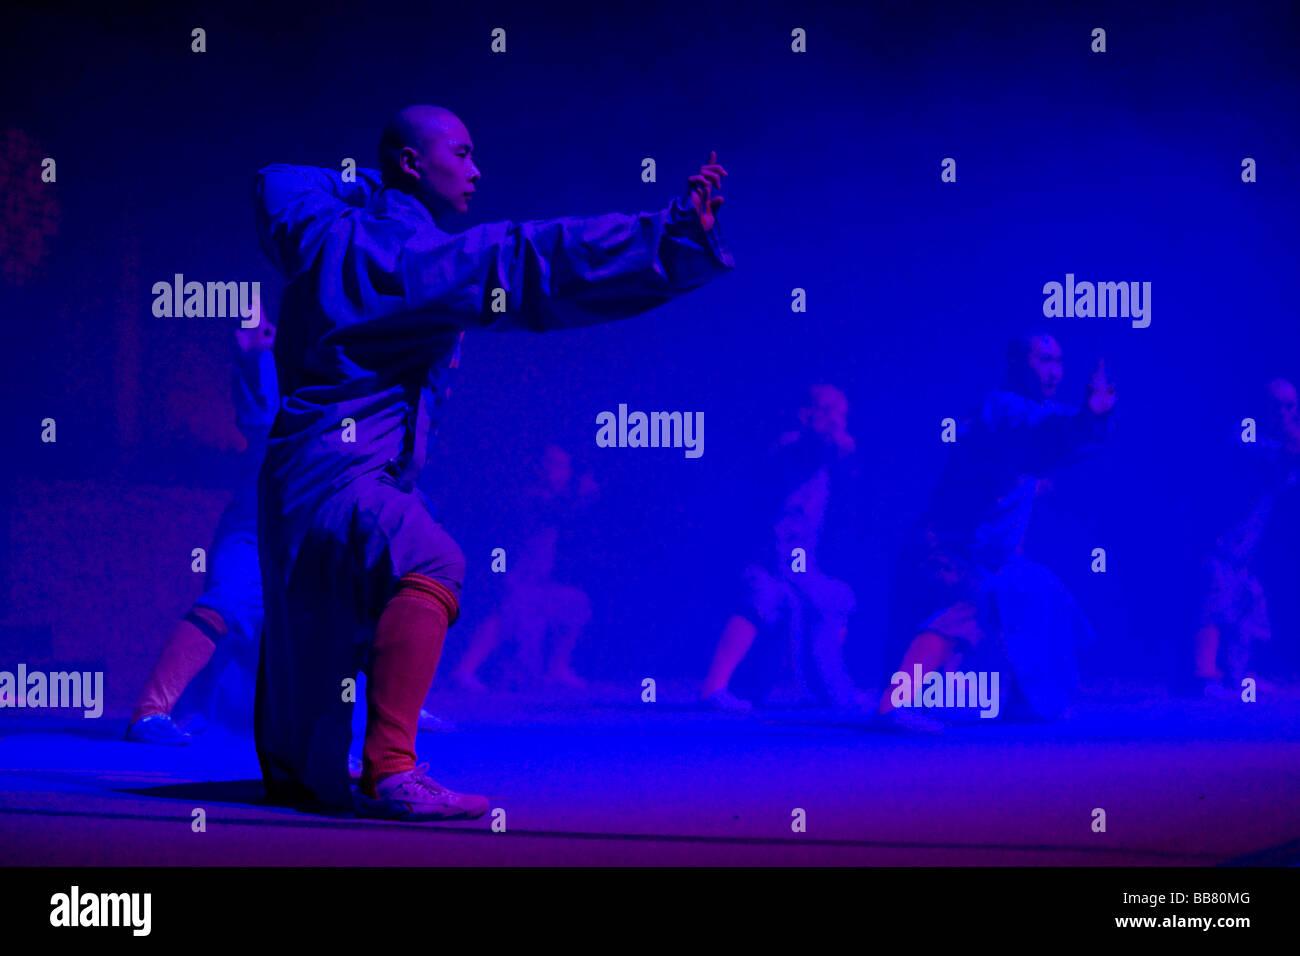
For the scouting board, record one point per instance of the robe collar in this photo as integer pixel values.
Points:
(403, 206)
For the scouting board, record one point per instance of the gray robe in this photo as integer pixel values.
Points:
(378, 299)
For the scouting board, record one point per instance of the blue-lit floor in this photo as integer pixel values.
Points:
(596, 780)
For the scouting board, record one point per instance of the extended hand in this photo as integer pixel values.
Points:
(259, 338)
(1101, 390)
(701, 187)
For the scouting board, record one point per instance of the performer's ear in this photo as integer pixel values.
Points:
(408, 160)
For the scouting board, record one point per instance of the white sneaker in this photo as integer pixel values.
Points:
(413, 796)
(905, 720)
(727, 702)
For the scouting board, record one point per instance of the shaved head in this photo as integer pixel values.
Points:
(427, 151)
(413, 126)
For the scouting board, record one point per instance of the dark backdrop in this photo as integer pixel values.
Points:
(1115, 166)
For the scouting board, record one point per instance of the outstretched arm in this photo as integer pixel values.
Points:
(561, 273)
(1050, 435)
(399, 273)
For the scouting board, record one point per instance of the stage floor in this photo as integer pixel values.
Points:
(598, 781)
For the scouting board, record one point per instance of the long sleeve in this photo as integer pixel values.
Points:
(297, 206)
(254, 391)
(561, 273)
(388, 266)
(1042, 435)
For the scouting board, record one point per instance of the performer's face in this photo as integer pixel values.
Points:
(1286, 415)
(446, 166)
(1045, 364)
(827, 415)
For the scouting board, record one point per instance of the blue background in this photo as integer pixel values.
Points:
(1122, 166)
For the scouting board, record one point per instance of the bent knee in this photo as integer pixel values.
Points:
(431, 591)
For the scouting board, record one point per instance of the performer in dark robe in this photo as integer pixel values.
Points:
(1234, 613)
(225, 623)
(537, 604)
(968, 568)
(358, 573)
(787, 594)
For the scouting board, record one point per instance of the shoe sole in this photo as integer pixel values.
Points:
(157, 743)
(917, 728)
